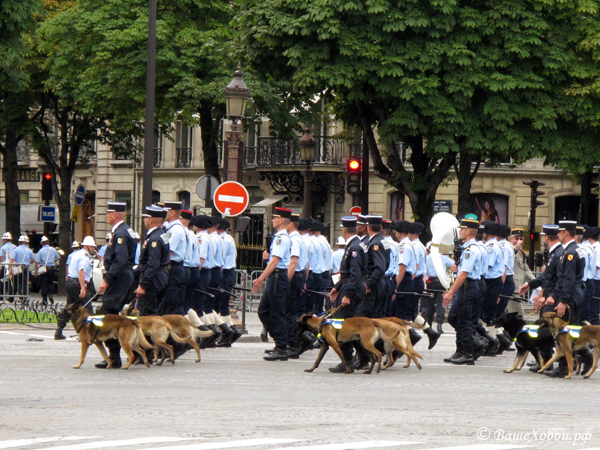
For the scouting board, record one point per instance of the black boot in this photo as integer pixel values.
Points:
(58, 334)
(271, 350)
(225, 341)
(209, 342)
(225, 330)
(278, 355)
(340, 368)
(587, 360)
(114, 349)
(493, 345)
(264, 335)
(236, 334)
(456, 355)
(433, 336)
(306, 341)
(463, 360)
(560, 372)
(440, 328)
(504, 343)
(414, 336)
(293, 353)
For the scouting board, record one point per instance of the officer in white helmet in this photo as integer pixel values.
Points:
(78, 276)
(336, 257)
(75, 247)
(103, 248)
(24, 256)
(7, 249)
(45, 265)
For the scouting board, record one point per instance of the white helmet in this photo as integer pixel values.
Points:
(7, 235)
(340, 241)
(89, 241)
(75, 244)
(23, 238)
(107, 236)
(44, 239)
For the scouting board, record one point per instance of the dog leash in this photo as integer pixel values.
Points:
(92, 299)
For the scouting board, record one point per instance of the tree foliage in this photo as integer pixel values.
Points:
(438, 76)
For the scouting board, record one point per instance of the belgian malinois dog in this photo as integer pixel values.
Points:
(113, 326)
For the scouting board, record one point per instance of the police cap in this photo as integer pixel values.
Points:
(187, 215)
(153, 211)
(567, 225)
(116, 207)
(374, 220)
(362, 220)
(550, 230)
(304, 224)
(349, 221)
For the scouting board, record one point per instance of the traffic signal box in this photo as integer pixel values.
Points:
(47, 186)
(354, 175)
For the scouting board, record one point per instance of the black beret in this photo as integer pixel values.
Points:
(416, 228)
(316, 226)
(490, 227)
(304, 224)
(595, 233)
(503, 230)
(402, 226)
(202, 222)
(223, 224)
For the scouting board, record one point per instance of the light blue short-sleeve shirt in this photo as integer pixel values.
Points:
(280, 247)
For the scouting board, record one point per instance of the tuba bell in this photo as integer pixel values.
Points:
(443, 226)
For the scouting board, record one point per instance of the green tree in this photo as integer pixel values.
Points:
(16, 21)
(440, 77)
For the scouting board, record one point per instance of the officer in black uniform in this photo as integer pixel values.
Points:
(568, 293)
(350, 289)
(118, 262)
(154, 259)
(378, 260)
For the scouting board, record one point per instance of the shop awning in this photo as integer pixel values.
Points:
(269, 201)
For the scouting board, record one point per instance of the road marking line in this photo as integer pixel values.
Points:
(482, 447)
(230, 444)
(351, 446)
(23, 442)
(104, 444)
(231, 199)
(27, 334)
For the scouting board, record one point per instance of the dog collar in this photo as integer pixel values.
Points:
(532, 330)
(573, 330)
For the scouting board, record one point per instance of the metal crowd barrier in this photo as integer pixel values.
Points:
(16, 306)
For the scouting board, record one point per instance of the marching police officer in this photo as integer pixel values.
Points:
(350, 289)
(378, 261)
(118, 262)
(78, 277)
(405, 305)
(154, 259)
(271, 310)
(192, 260)
(391, 273)
(173, 297)
(465, 293)
(311, 252)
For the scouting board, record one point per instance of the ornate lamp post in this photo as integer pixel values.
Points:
(236, 95)
(307, 151)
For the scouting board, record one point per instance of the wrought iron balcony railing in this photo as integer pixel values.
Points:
(184, 157)
(157, 157)
(278, 152)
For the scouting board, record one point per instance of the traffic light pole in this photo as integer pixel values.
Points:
(364, 204)
(533, 184)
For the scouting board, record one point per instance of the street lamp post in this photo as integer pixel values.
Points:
(307, 151)
(236, 96)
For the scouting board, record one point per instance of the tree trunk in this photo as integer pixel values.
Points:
(9, 175)
(463, 174)
(210, 133)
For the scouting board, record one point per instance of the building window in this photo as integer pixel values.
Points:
(24, 196)
(125, 197)
(155, 197)
(184, 145)
(492, 207)
(184, 198)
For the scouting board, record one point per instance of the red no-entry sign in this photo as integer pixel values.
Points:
(231, 198)
(356, 211)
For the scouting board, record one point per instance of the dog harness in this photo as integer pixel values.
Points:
(99, 320)
(573, 330)
(532, 330)
(335, 323)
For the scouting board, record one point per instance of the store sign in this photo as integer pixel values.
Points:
(442, 206)
(26, 175)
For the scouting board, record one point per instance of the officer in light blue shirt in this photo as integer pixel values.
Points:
(493, 280)
(24, 256)
(297, 275)
(230, 332)
(271, 309)
(311, 253)
(393, 269)
(465, 295)
(46, 258)
(405, 304)
(173, 300)
(508, 288)
(216, 273)
(192, 261)
(207, 261)
(585, 248)
(7, 249)
(336, 257)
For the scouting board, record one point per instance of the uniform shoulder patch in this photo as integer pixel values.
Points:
(165, 238)
(570, 257)
(119, 240)
(363, 246)
(354, 254)
(131, 233)
(376, 248)
(154, 244)
(386, 245)
(278, 241)
(581, 252)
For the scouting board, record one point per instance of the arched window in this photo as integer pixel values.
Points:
(155, 197)
(184, 198)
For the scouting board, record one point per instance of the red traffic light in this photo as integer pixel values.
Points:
(48, 176)
(354, 165)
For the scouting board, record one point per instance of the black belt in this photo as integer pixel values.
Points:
(176, 263)
(280, 270)
(433, 279)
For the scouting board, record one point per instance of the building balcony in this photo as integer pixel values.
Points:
(184, 157)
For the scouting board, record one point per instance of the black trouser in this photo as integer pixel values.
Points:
(317, 301)
(193, 281)
(112, 303)
(435, 304)
(210, 303)
(173, 298)
(588, 292)
(346, 312)
(227, 283)
(594, 307)
(73, 289)
(463, 316)
(47, 283)
(369, 303)
(493, 288)
(405, 304)
(384, 305)
(200, 303)
(508, 289)
(271, 309)
(305, 305)
(419, 288)
(292, 303)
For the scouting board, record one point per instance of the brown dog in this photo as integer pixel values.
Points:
(397, 337)
(366, 329)
(183, 332)
(127, 331)
(566, 344)
(159, 331)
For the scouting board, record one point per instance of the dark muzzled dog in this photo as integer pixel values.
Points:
(566, 344)
(525, 343)
(127, 331)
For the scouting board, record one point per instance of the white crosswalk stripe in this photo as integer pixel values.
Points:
(351, 445)
(482, 447)
(120, 443)
(229, 444)
(24, 442)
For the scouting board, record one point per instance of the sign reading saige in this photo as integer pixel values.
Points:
(28, 175)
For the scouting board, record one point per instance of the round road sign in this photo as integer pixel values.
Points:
(79, 195)
(231, 198)
(356, 211)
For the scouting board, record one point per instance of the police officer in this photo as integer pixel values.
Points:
(23, 256)
(583, 239)
(297, 276)
(311, 253)
(45, 265)
(78, 277)
(415, 230)
(377, 263)
(350, 289)
(173, 297)
(391, 273)
(508, 287)
(7, 247)
(271, 309)
(192, 261)
(493, 282)
(465, 295)
(226, 284)
(154, 259)
(337, 255)
(75, 247)
(405, 304)
(326, 254)
(594, 309)
(318, 269)
(118, 262)
(361, 228)
(522, 272)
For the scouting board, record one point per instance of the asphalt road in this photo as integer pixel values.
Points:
(234, 399)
